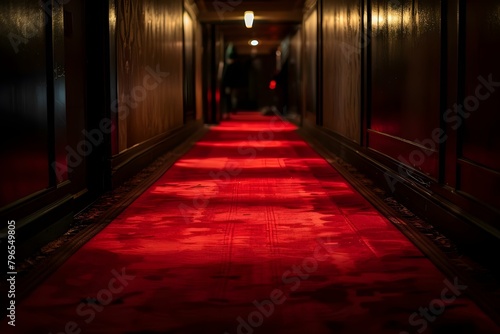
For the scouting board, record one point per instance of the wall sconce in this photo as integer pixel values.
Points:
(249, 19)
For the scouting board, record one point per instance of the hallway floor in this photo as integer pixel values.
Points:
(250, 232)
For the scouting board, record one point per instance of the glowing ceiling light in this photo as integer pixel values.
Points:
(249, 19)
(254, 42)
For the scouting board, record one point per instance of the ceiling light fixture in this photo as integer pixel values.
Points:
(249, 19)
(254, 42)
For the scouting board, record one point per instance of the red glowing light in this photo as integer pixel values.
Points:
(272, 84)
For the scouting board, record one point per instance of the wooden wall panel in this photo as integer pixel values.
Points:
(479, 151)
(406, 44)
(60, 139)
(75, 64)
(23, 100)
(342, 67)
(295, 74)
(150, 68)
(189, 67)
(309, 65)
(430, 97)
(200, 53)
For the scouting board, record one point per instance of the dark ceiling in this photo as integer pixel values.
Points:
(274, 20)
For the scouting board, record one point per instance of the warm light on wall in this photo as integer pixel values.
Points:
(249, 19)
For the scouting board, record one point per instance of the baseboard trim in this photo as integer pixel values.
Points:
(34, 231)
(471, 233)
(130, 162)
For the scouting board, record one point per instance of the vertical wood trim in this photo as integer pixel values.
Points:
(319, 64)
(448, 150)
(366, 68)
(113, 80)
(59, 92)
(49, 47)
(444, 87)
(461, 69)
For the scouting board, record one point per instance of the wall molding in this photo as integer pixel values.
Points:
(462, 219)
(131, 161)
(39, 228)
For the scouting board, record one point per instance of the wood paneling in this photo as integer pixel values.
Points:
(59, 84)
(75, 68)
(450, 79)
(60, 139)
(342, 67)
(422, 157)
(480, 101)
(309, 64)
(406, 44)
(33, 174)
(150, 69)
(189, 67)
(430, 78)
(295, 74)
(200, 53)
(479, 182)
(23, 100)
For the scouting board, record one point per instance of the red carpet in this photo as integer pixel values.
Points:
(250, 232)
